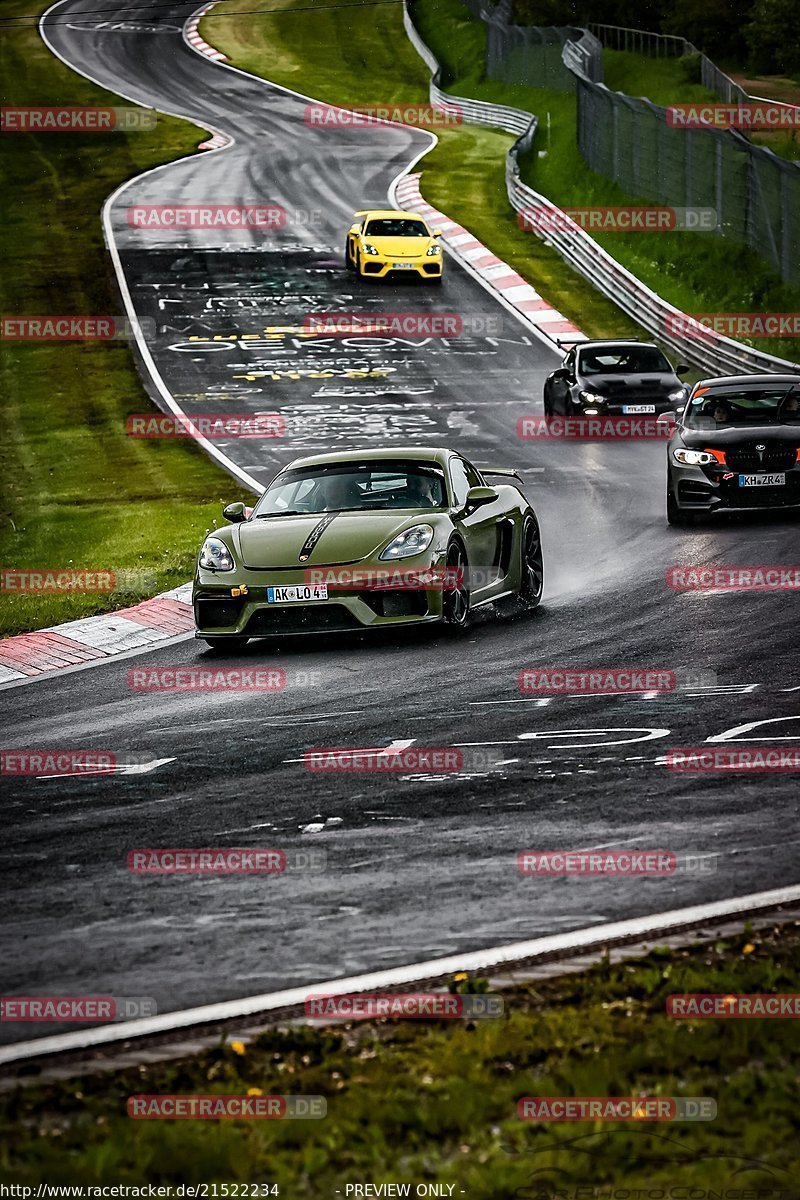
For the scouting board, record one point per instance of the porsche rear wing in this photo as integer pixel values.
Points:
(505, 472)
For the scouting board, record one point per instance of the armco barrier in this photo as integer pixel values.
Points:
(578, 248)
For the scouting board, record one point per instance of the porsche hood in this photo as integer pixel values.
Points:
(320, 539)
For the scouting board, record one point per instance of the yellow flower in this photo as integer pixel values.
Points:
(459, 976)
(749, 948)
(238, 1048)
(254, 1092)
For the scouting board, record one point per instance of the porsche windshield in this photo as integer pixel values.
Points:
(726, 408)
(353, 488)
(396, 227)
(623, 360)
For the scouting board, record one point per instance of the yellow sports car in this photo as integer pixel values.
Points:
(388, 242)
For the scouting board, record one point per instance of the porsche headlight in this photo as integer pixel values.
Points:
(410, 541)
(369, 248)
(678, 394)
(434, 249)
(693, 458)
(215, 555)
(593, 398)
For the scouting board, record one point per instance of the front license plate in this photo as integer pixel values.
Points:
(762, 480)
(631, 409)
(402, 266)
(297, 595)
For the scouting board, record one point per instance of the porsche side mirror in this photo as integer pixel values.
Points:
(234, 512)
(354, 229)
(560, 373)
(437, 233)
(478, 496)
(682, 369)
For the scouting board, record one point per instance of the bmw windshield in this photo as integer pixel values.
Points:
(726, 408)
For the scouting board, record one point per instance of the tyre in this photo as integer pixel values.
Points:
(456, 599)
(675, 515)
(531, 573)
(548, 408)
(348, 262)
(233, 643)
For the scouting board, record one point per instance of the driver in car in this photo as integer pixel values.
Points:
(420, 492)
(341, 492)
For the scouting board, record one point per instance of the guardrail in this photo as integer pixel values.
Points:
(579, 249)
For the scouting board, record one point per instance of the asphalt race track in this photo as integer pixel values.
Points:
(418, 865)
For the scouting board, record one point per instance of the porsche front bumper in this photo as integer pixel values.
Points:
(376, 266)
(239, 607)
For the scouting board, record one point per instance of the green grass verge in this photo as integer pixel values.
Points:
(418, 1102)
(668, 81)
(78, 493)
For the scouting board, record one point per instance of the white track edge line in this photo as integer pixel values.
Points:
(560, 945)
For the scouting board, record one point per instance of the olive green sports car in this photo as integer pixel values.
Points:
(368, 539)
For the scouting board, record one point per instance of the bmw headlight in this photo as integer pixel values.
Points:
(593, 398)
(215, 555)
(434, 249)
(693, 458)
(369, 248)
(410, 541)
(678, 394)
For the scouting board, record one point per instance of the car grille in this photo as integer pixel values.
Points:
(301, 619)
(372, 268)
(747, 459)
(216, 614)
(395, 603)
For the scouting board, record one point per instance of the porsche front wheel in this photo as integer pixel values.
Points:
(456, 596)
(348, 258)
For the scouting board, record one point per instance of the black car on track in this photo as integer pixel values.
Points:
(614, 377)
(736, 445)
